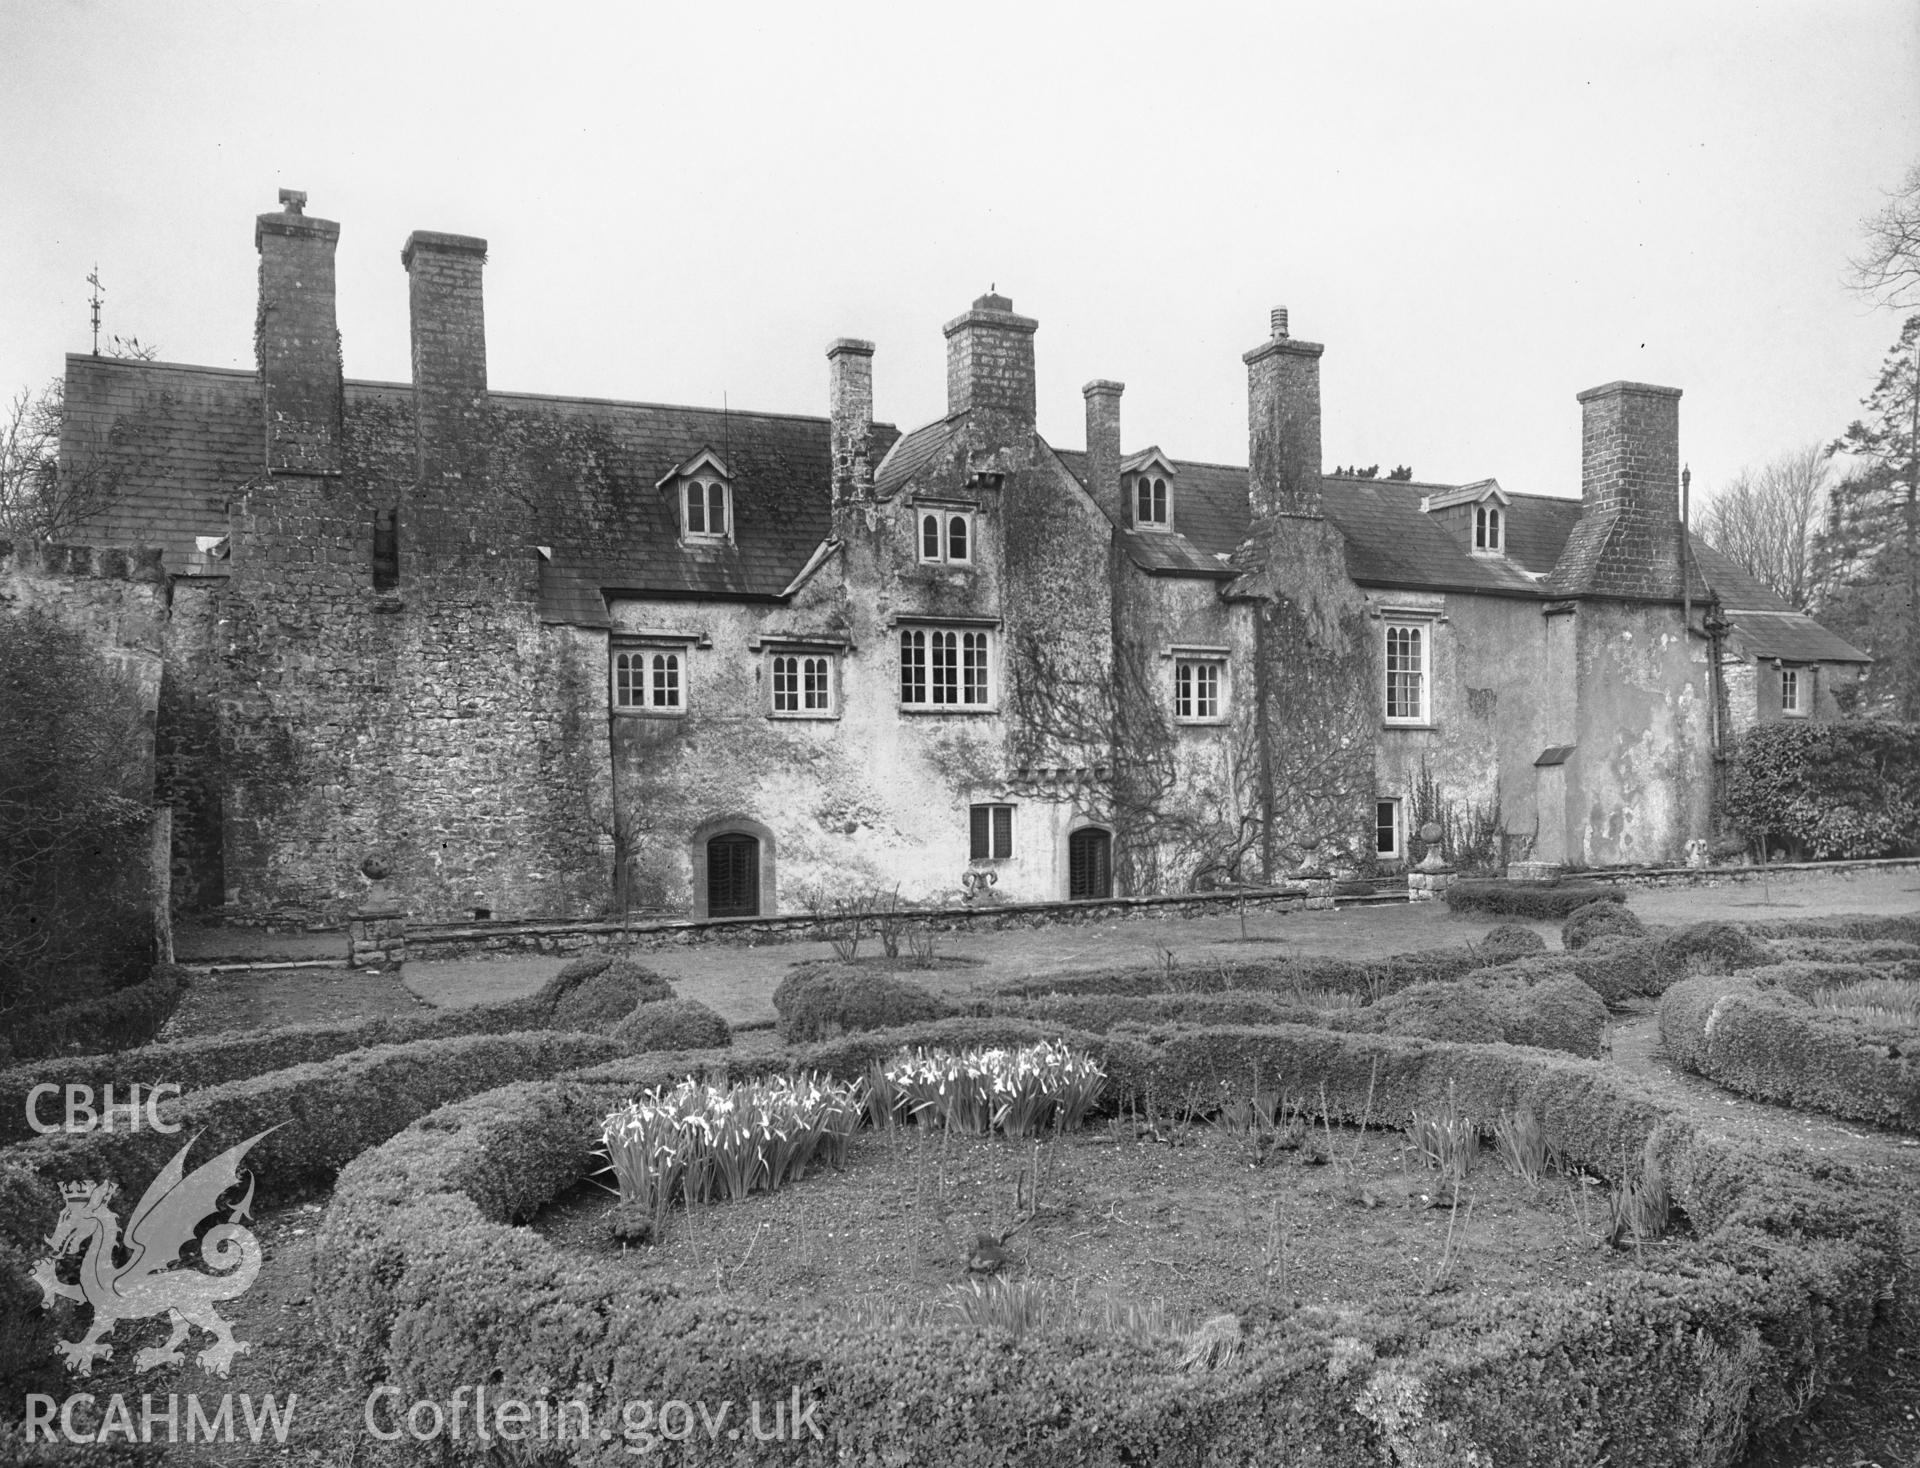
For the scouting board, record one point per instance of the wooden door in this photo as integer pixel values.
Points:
(733, 876)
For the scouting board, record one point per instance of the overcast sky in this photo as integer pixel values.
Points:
(1479, 209)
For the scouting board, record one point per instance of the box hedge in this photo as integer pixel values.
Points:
(423, 1282)
(1550, 901)
(1619, 969)
(1845, 950)
(213, 1060)
(336, 1109)
(1282, 976)
(1536, 1001)
(1099, 1013)
(1765, 1040)
(116, 1021)
(1904, 928)
(673, 1024)
(817, 1000)
(1508, 942)
(1599, 920)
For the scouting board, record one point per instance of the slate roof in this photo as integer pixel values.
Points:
(912, 453)
(184, 440)
(1764, 623)
(1174, 552)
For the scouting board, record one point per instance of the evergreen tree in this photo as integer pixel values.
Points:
(1870, 548)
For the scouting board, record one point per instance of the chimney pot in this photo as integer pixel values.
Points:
(1279, 320)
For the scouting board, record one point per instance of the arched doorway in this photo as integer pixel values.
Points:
(1089, 864)
(733, 875)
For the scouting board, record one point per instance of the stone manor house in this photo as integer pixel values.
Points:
(566, 656)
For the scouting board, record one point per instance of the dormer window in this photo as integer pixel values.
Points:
(1150, 500)
(704, 490)
(1148, 477)
(1474, 514)
(707, 516)
(946, 536)
(1489, 529)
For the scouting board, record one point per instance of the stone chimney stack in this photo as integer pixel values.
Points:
(850, 416)
(990, 360)
(1103, 446)
(297, 339)
(1627, 541)
(1630, 451)
(1283, 423)
(449, 351)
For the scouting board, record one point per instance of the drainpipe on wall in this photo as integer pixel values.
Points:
(1262, 731)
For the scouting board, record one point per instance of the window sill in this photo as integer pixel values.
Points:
(631, 713)
(942, 710)
(785, 716)
(1215, 723)
(1413, 724)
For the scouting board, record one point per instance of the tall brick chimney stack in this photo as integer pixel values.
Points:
(990, 360)
(297, 339)
(449, 351)
(1283, 423)
(1627, 540)
(1103, 446)
(850, 417)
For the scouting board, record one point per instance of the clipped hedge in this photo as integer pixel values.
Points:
(1619, 968)
(1282, 976)
(1845, 950)
(594, 992)
(1510, 941)
(335, 1108)
(818, 1000)
(1099, 1013)
(1718, 948)
(673, 1024)
(1540, 900)
(1904, 928)
(1536, 1001)
(421, 1280)
(1765, 1040)
(213, 1060)
(1599, 920)
(117, 1021)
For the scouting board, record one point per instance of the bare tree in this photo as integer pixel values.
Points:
(1889, 268)
(40, 498)
(1766, 517)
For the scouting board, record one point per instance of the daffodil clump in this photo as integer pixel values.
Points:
(708, 1143)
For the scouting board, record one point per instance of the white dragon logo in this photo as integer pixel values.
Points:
(162, 1223)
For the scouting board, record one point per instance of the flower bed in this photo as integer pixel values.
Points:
(423, 1281)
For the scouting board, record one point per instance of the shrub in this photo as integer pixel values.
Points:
(1286, 978)
(333, 1110)
(1710, 948)
(76, 803)
(1845, 950)
(117, 1021)
(1804, 979)
(818, 1001)
(591, 993)
(1540, 900)
(1099, 1013)
(673, 1024)
(1619, 968)
(1769, 1043)
(1827, 791)
(1509, 941)
(1904, 928)
(1600, 920)
(1437, 1011)
(1536, 1001)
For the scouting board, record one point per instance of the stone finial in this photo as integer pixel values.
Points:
(293, 201)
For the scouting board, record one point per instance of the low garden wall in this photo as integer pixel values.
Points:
(422, 1281)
